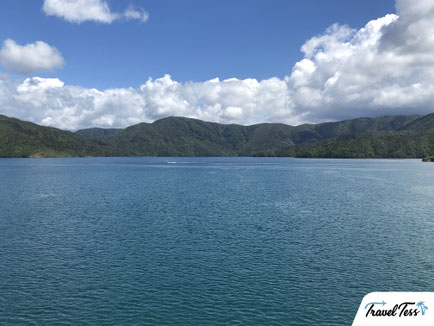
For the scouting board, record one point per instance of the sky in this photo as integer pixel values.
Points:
(97, 63)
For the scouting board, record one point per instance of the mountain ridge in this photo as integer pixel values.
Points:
(383, 136)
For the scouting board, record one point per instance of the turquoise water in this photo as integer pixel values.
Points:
(209, 241)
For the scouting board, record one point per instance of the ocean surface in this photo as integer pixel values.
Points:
(209, 241)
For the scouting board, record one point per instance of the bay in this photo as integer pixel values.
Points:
(209, 241)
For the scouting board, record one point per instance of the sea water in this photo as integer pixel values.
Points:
(209, 241)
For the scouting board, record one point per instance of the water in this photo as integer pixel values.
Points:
(209, 241)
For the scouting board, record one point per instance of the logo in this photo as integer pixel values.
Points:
(404, 309)
(396, 308)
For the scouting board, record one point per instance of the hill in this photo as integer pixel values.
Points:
(385, 136)
(423, 124)
(25, 139)
(98, 132)
(177, 136)
(365, 145)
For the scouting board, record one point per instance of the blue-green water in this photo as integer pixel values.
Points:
(209, 241)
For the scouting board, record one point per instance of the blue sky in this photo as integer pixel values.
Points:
(192, 40)
(105, 63)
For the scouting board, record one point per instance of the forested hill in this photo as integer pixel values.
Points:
(386, 136)
(176, 136)
(25, 139)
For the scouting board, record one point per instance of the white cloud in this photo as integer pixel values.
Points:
(133, 13)
(48, 101)
(79, 11)
(386, 67)
(30, 58)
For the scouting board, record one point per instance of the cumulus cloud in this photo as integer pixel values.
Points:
(386, 67)
(79, 11)
(31, 58)
(49, 102)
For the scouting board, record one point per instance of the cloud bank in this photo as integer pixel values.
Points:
(31, 58)
(49, 102)
(386, 67)
(79, 11)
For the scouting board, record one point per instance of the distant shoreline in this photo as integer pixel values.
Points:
(384, 137)
(256, 157)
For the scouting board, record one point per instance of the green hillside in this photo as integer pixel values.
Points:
(365, 145)
(26, 139)
(424, 124)
(98, 132)
(176, 136)
(310, 133)
(173, 137)
(387, 136)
